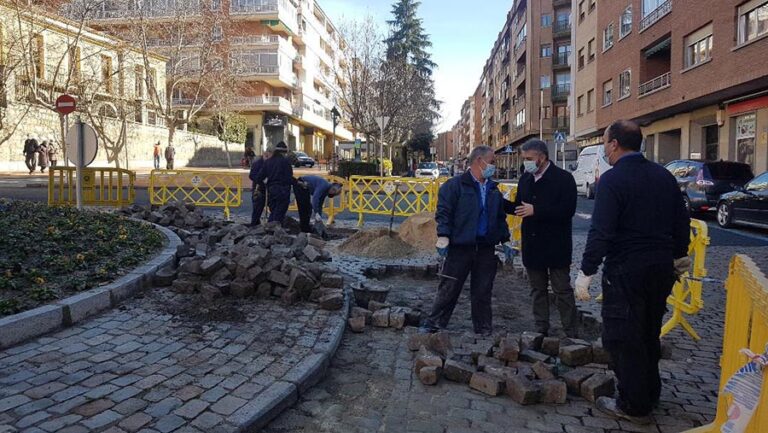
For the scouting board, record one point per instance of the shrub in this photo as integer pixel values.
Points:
(352, 168)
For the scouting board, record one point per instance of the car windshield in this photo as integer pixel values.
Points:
(428, 165)
(730, 171)
(301, 154)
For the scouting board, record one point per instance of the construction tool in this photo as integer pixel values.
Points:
(442, 268)
(394, 204)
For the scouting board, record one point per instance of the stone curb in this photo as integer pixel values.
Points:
(284, 393)
(66, 312)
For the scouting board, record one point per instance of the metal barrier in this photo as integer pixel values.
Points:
(102, 186)
(333, 205)
(686, 294)
(746, 327)
(390, 195)
(199, 187)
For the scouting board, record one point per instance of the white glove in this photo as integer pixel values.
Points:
(682, 266)
(442, 246)
(582, 286)
(318, 218)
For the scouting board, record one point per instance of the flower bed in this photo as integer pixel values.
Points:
(48, 253)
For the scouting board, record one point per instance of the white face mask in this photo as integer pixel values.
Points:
(530, 166)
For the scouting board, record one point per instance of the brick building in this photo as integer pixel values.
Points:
(692, 72)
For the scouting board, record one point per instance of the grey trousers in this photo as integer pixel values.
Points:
(564, 299)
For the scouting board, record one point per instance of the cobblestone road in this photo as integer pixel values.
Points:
(370, 386)
(158, 364)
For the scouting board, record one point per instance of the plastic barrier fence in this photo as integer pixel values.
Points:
(199, 187)
(383, 195)
(105, 186)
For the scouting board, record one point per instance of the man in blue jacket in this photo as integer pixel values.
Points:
(470, 223)
(641, 227)
(311, 192)
(259, 190)
(278, 175)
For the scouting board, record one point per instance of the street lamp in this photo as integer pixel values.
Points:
(335, 115)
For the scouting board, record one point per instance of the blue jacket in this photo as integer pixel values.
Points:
(458, 212)
(318, 188)
(255, 169)
(277, 171)
(639, 219)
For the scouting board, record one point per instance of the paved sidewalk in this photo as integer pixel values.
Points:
(161, 363)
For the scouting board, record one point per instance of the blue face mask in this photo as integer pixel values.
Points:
(530, 166)
(489, 171)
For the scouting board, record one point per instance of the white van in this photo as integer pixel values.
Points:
(588, 170)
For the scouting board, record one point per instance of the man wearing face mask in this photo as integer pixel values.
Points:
(642, 229)
(470, 223)
(546, 200)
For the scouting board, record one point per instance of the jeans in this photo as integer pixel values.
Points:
(157, 162)
(31, 161)
(169, 164)
(481, 263)
(564, 299)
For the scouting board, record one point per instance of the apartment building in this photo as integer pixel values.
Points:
(525, 87)
(693, 72)
(587, 43)
(444, 145)
(284, 53)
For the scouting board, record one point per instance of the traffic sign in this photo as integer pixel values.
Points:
(358, 143)
(389, 188)
(66, 104)
(560, 138)
(508, 150)
(196, 181)
(90, 144)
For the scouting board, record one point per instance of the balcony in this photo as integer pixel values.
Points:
(559, 3)
(657, 14)
(272, 103)
(255, 40)
(659, 83)
(560, 60)
(561, 28)
(561, 123)
(560, 92)
(278, 15)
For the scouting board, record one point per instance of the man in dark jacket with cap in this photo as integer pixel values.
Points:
(259, 190)
(278, 175)
(546, 200)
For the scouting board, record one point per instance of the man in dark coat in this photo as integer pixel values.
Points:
(546, 200)
(259, 190)
(278, 175)
(30, 153)
(470, 223)
(641, 227)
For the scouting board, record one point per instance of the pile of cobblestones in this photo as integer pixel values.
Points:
(220, 258)
(529, 367)
(382, 315)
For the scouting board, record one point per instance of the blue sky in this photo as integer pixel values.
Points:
(462, 34)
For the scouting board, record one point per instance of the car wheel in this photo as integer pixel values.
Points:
(724, 215)
(590, 192)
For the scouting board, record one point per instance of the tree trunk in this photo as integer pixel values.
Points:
(226, 150)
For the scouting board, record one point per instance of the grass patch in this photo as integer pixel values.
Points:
(48, 253)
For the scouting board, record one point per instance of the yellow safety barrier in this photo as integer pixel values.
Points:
(333, 205)
(379, 195)
(746, 327)
(686, 294)
(515, 223)
(199, 187)
(102, 186)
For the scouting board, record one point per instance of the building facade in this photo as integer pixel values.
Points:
(693, 73)
(587, 44)
(284, 53)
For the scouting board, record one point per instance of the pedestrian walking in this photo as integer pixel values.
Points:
(546, 201)
(156, 155)
(641, 227)
(470, 223)
(248, 156)
(42, 156)
(278, 175)
(310, 193)
(53, 153)
(30, 153)
(170, 155)
(259, 190)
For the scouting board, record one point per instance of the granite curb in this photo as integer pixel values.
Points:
(64, 313)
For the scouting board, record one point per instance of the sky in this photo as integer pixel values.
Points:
(462, 35)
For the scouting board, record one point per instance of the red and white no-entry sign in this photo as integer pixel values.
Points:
(65, 104)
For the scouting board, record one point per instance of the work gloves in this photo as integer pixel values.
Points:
(582, 286)
(317, 218)
(682, 266)
(442, 246)
(510, 251)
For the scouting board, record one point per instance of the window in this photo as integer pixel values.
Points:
(758, 184)
(753, 20)
(608, 93)
(745, 138)
(545, 82)
(580, 106)
(74, 63)
(626, 22)
(651, 5)
(546, 20)
(547, 112)
(592, 5)
(698, 47)
(521, 35)
(520, 118)
(151, 80)
(546, 50)
(581, 58)
(625, 84)
(215, 5)
(106, 73)
(217, 34)
(38, 55)
(582, 12)
(591, 50)
(608, 37)
(138, 73)
(591, 101)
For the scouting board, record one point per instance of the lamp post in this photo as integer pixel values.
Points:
(335, 115)
(382, 122)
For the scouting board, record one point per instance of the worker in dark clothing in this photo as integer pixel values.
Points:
(546, 200)
(470, 223)
(278, 175)
(310, 193)
(641, 227)
(259, 190)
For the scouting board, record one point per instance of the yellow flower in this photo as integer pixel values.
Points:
(80, 257)
(40, 280)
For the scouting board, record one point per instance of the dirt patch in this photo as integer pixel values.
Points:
(196, 309)
(376, 244)
(420, 231)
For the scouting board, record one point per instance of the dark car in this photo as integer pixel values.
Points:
(748, 205)
(303, 160)
(444, 172)
(703, 182)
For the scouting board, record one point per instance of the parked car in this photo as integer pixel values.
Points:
(747, 205)
(428, 170)
(303, 160)
(444, 172)
(590, 166)
(703, 182)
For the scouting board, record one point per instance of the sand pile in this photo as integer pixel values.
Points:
(376, 244)
(420, 231)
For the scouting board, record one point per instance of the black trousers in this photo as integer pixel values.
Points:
(634, 303)
(564, 299)
(481, 263)
(278, 200)
(259, 198)
(304, 203)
